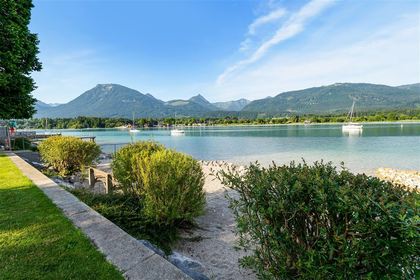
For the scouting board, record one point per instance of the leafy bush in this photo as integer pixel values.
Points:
(173, 187)
(124, 164)
(169, 183)
(67, 154)
(314, 222)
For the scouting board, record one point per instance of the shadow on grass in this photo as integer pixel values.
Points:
(36, 240)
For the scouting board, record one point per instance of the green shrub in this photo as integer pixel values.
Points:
(173, 187)
(314, 222)
(124, 162)
(170, 184)
(66, 154)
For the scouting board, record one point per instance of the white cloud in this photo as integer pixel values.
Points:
(245, 44)
(389, 56)
(260, 21)
(293, 26)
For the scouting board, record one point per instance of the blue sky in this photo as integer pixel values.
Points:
(223, 50)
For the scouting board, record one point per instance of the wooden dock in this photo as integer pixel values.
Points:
(32, 135)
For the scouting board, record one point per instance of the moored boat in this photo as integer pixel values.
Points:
(177, 132)
(133, 128)
(352, 126)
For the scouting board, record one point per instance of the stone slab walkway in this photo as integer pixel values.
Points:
(131, 257)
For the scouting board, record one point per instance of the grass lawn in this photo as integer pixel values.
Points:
(37, 241)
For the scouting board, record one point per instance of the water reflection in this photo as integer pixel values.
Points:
(353, 132)
(377, 145)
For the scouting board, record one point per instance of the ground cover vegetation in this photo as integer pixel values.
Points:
(316, 222)
(159, 192)
(258, 119)
(36, 240)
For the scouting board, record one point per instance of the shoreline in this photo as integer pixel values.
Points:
(219, 125)
(211, 248)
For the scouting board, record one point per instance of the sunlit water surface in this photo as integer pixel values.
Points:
(378, 145)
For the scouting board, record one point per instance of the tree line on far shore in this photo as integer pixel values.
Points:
(95, 122)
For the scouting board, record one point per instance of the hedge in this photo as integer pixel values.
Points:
(168, 183)
(315, 222)
(67, 154)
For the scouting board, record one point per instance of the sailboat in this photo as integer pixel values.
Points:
(352, 126)
(133, 128)
(177, 132)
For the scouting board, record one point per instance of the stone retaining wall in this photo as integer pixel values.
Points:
(131, 257)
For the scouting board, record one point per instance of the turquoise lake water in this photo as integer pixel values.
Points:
(379, 145)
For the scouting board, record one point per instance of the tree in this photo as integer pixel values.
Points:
(18, 59)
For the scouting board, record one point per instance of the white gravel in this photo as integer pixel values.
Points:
(216, 246)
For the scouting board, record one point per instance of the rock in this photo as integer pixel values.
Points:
(78, 185)
(62, 183)
(192, 268)
(408, 178)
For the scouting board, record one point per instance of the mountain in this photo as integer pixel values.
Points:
(39, 105)
(108, 100)
(199, 99)
(195, 106)
(412, 87)
(337, 98)
(113, 100)
(235, 105)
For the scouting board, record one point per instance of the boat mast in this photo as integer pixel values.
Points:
(351, 112)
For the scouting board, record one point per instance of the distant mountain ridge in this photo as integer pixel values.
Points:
(413, 87)
(46, 105)
(113, 100)
(337, 98)
(236, 105)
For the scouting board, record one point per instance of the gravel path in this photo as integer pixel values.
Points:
(213, 243)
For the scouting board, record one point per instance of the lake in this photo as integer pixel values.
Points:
(392, 145)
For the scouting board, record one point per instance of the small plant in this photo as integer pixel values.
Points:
(172, 185)
(67, 154)
(124, 164)
(314, 222)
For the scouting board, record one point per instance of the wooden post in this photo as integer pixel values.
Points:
(91, 177)
(108, 183)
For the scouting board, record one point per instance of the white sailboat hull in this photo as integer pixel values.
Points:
(352, 127)
(177, 132)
